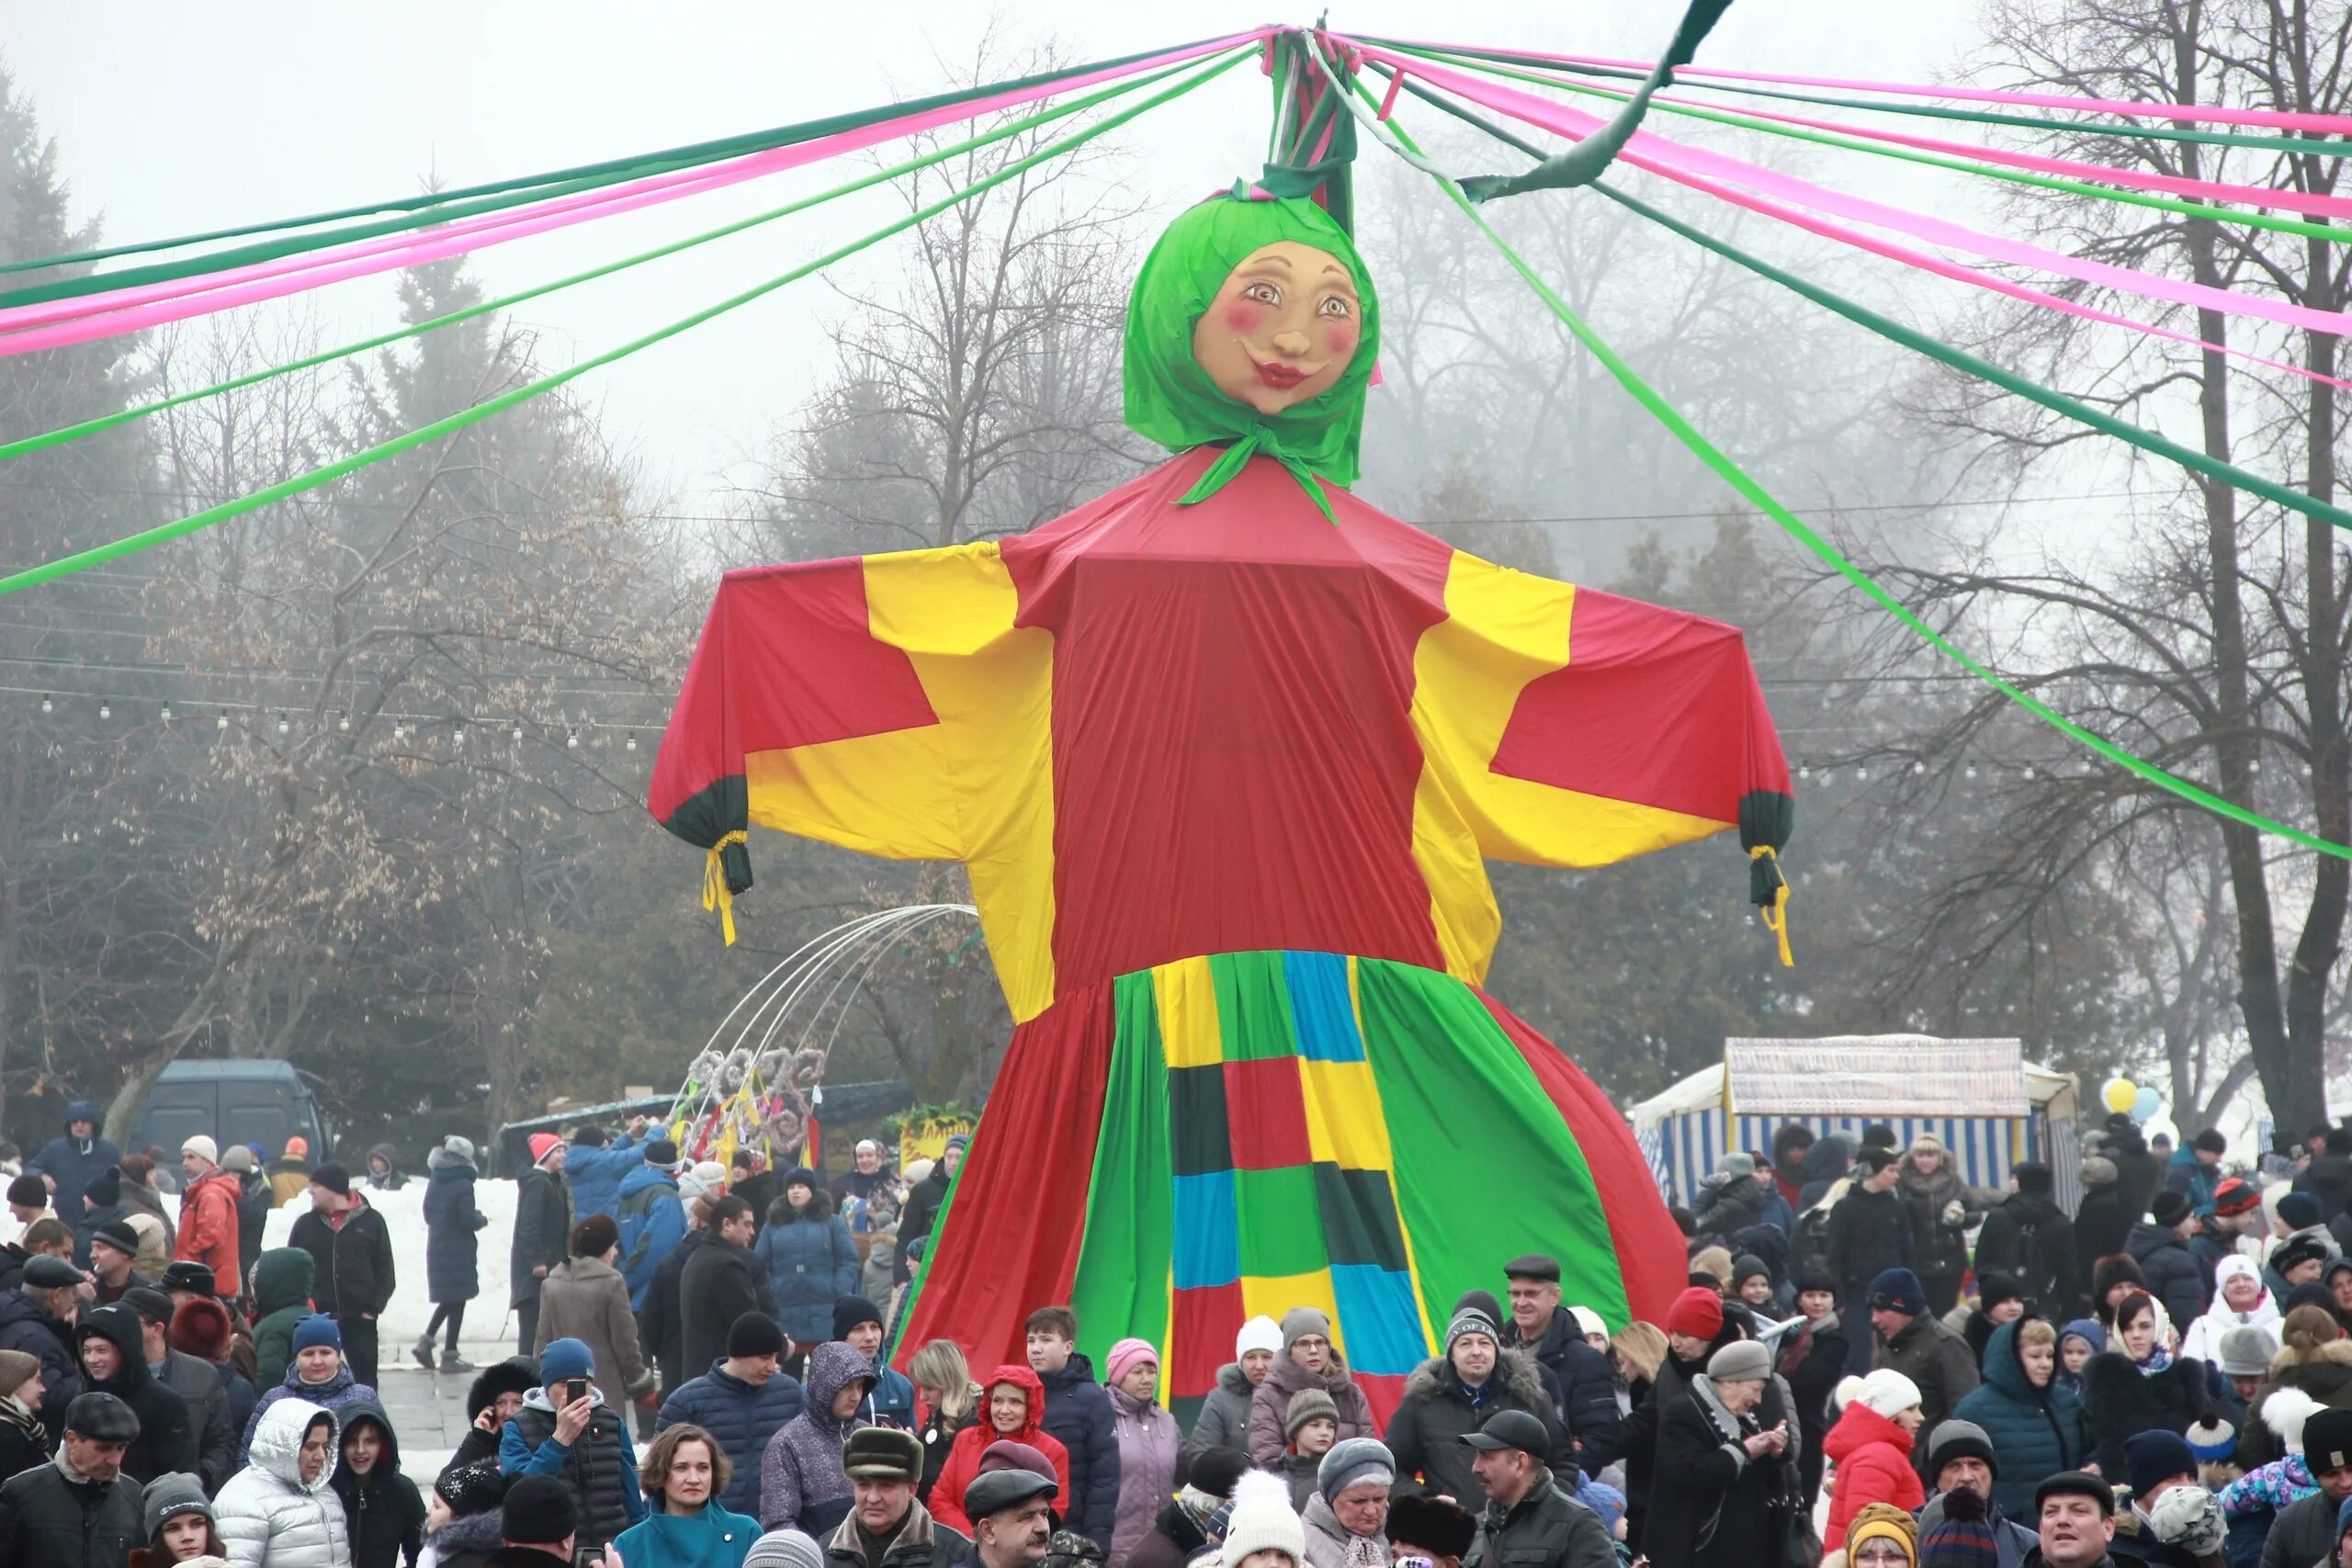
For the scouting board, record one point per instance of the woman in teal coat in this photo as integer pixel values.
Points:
(683, 1473)
(2036, 1423)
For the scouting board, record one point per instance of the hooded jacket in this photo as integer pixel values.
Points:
(810, 1263)
(393, 1180)
(542, 1230)
(599, 1469)
(740, 1417)
(210, 1225)
(801, 1483)
(1438, 1408)
(2035, 1431)
(1873, 1459)
(330, 1395)
(653, 1221)
(1224, 1420)
(354, 1273)
(451, 1220)
(2174, 1278)
(1270, 1406)
(963, 1464)
(52, 1519)
(167, 1440)
(587, 1300)
(73, 1163)
(282, 1277)
(383, 1513)
(268, 1517)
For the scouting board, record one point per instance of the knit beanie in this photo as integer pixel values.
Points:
(1589, 1322)
(565, 1359)
(16, 1366)
(1300, 1322)
(318, 1329)
(1124, 1356)
(1885, 1391)
(754, 1334)
(471, 1489)
(333, 1177)
(785, 1548)
(1471, 1320)
(1960, 1439)
(1262, 1519)
(105, 1188)
(1697, 1312)
(1352, 1462)
(28, 1191)
(849, 1312)
(168, 1496)
(1963, 1538)
(2150, 1459)
(2299, 1210)
(2213, 1440)
(1260, 1333)
(1309, 1404)
(238, 1159)
(541, 1145)
(538, 1510)
(1882, 1519)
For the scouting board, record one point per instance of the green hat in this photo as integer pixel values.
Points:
(1171, 400)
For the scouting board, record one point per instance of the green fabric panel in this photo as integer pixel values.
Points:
(327, 473)
(1359, 1218)
(1013, 128)
(1738, 479)
(1123, 1264)
(440, 207)
(1253, 1017)
(1485, 1167)
(1276, 1215)
(1203, 1132)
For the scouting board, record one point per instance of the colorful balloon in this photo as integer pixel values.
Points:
(2118, 1095)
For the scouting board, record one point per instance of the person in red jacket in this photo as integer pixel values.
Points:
(1011, 1410)
(207, 1210)
(1872, 1446)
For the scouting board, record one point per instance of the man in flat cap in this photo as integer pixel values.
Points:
(1013, 1517)
(82, 1511)
(1529, 1521)
(1588, 1388)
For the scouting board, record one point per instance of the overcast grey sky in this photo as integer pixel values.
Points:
(175, 119)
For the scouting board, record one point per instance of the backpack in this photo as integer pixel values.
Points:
(636, 1219)
(2036, 1273)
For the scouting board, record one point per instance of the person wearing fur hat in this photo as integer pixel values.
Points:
(1224, 1419)
(1942, 1208)
(2035, 1424)
(1309, 1359)
(2160, 1245)
(1148, 1440)
(1724, 1453)
(1433, 1528)
(2314, 1359)
(491, 1399)
(586, 1298)
(2139, 1384)
(24, 1442)
(452, 1252)
(810, 1259)
(1872, 1446)
(1457, 1393)
(542, 1225)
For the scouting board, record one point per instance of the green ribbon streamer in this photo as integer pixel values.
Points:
(20, 447)
(2278, 222)
(98, 555)
(1731, 474)
(2310, 148)
(1957, 358)
(433, 206)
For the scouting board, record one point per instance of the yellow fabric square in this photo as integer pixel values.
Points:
(1274, 1296)
(1344, 1123)
(1186, 995)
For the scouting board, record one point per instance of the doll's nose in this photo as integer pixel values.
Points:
(1292, 343)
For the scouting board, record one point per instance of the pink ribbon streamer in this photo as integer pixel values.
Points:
(2206, 114)
(57, 323)
(1686, 165)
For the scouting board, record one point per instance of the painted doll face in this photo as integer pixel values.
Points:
(1281, 329)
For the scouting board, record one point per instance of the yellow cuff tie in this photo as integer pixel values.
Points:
(715, 893)
(1776, 916)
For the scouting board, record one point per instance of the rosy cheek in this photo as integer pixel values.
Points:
(1242, 316)
(1340, 340)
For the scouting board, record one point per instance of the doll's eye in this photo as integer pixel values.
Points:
(1264, 293)
(1336, 308)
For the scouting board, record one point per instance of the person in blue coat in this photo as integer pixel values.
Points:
(2035, 1422)
(594, 1163)
(452, 1275)
(71, 1163)
(857, 1323)
(810, 1259)
(741, 1401)
(651, 1216)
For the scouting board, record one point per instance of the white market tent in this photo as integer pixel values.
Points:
(1989, 1105)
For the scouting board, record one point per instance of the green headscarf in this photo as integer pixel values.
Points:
(1170, 399)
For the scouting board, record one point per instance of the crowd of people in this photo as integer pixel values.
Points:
(1872, 1364)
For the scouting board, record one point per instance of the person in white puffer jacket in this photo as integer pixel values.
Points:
(278, 1511)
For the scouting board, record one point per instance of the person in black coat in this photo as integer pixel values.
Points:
(750, 1177)
(2328, 1175)
(351, 1254)
(1869, 1233)
(382, 1510)
(1724, 1474)
(1582, 1385)
(2029, 1237)
(2161, 1249)
(111, 1352)
(2139, 1174)
(542, 1230)
(491, 1399)
(923, 1201)
(720, 1282)
(2139, 1386)
(452, 1252)
(660, 1328)
(1813, 1361)
(1696, 1328)
(82, 1513)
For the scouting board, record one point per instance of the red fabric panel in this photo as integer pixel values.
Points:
(1201, 1327)
(1266, 1109)
(1657, 707)
(1384, 1392)
(1013, 1229)
(1234, 759)
(1650, 1256)
(786, 659)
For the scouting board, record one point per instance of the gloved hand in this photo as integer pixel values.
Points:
(2188, 1517)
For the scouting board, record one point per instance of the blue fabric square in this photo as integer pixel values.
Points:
(1209, 1241)
(1379, 1319)
(1321, 1010)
